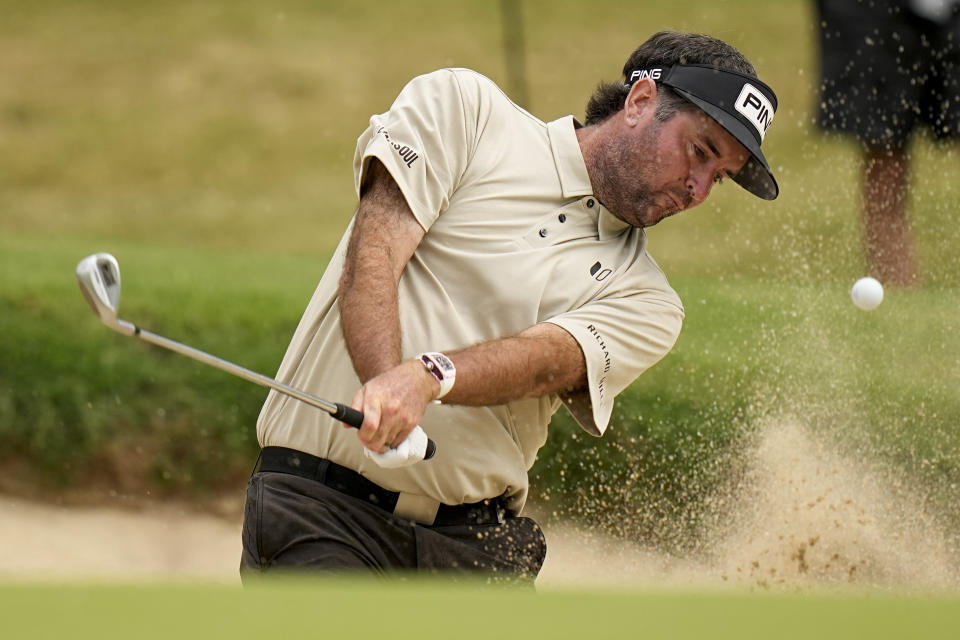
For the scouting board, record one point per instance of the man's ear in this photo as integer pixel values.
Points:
(641, 102)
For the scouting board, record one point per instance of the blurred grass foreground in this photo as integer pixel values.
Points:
(208, 146)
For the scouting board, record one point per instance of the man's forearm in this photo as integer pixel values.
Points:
(384, 236)
(542, 359)
(539, 360)
(368, 312)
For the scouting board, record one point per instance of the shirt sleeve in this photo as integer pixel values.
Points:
(620, 337)
(424, 141)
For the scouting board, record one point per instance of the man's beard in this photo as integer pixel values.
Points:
(624, 191)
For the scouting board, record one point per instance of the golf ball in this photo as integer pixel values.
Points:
(867, 293)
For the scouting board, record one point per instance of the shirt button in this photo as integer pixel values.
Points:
(562, 217)
(543, 233)
(590, 203)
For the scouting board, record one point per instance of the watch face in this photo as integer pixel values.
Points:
(442, 369)
(439, 365)
(445, 363)
(432, 367)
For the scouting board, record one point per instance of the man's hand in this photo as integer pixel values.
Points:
(393, 403)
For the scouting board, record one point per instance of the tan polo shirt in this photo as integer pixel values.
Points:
(513, 237)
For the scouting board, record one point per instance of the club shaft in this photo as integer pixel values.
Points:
(235, 369)
(344, 413)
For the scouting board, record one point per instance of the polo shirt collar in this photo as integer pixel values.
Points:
(609, 225)
(574, 180)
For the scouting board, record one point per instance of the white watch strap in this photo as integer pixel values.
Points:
(442, 369)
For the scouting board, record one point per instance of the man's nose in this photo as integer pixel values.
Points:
(698, 187)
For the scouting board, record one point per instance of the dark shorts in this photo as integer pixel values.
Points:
(297, 524)
(885, 71)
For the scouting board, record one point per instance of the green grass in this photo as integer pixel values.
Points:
(79, 399)
(209, 146)
(348, 608)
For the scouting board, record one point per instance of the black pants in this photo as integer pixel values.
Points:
(885, 71)
(294, 523)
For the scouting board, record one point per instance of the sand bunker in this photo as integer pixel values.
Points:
(801, 516)
(804, 514)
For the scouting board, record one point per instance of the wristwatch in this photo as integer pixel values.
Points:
(442, 369)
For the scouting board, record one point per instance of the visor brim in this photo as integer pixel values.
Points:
(755, 176)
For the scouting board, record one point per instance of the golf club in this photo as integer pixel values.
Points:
(99, 279)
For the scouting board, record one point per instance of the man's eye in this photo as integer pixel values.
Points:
(700, 152)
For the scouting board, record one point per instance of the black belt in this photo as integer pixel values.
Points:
(351, 483)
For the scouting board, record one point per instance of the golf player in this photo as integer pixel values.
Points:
(496, 268)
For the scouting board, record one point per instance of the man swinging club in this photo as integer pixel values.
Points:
(495, 269)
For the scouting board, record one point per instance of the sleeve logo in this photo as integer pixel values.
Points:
(602, 382)
(408, 155)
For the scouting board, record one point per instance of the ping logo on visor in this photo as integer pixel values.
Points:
(640, 74)
(756, 108)
(740, 103)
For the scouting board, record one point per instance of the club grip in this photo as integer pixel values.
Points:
(348, 415)
(354, 418)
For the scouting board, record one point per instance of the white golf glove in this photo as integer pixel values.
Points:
(410, 451)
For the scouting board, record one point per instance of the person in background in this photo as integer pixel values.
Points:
(889, 67)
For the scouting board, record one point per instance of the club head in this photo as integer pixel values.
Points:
(99, 279)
